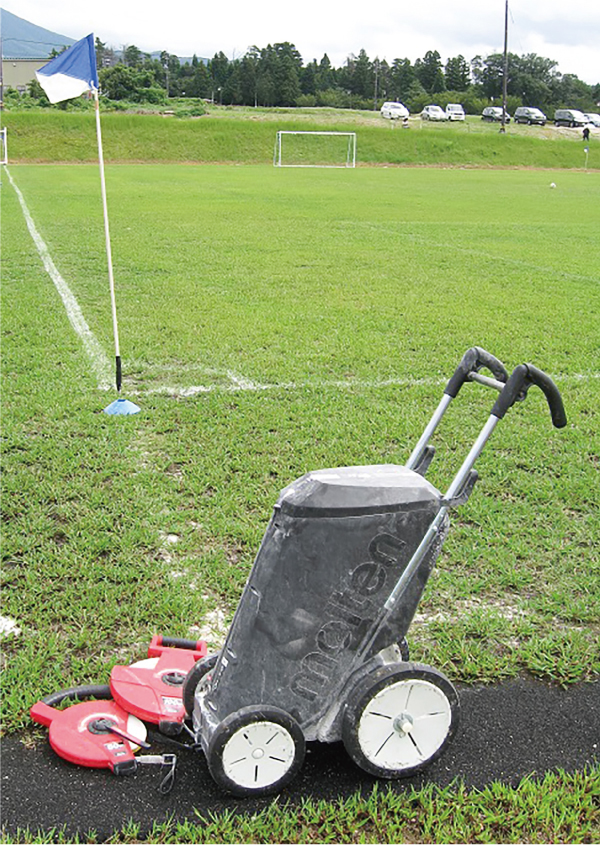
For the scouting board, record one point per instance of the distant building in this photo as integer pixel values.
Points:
(18, 73)
(26, 47)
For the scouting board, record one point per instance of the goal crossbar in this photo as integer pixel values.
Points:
(349, 153)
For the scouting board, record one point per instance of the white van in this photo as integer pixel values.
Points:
(569, 117)
(454, 111)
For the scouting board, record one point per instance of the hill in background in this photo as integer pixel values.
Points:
(24, 40)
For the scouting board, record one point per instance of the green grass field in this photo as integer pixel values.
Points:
(275, 321)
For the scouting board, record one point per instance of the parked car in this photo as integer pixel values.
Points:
(493, 114)
(394, 111)
(433, 113)
(454, 111)
(592, 118)
(569, 117)
(526, 114)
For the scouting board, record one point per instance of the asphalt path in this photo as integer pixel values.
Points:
(507, 731)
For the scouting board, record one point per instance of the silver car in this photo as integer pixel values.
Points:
(526, 114)
(493, 114)
(592, 118)
(433, 113)
(394, 111)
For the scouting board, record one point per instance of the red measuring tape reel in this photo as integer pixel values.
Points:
(98, 734)
(152, 689)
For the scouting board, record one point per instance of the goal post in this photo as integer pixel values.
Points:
(314, 149)
(3, 147)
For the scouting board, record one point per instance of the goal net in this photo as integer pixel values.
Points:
(3, 150)
(315, 149)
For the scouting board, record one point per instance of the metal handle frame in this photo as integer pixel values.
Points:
(511, 390)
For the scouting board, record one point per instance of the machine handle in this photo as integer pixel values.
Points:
(472, 361)
(521, 379)
(159, 643)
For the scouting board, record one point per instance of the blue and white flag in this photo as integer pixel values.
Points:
(71, 73)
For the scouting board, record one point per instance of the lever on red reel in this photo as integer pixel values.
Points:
(97, 733)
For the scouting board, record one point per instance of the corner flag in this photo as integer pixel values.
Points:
(68, 75)
(71, 73)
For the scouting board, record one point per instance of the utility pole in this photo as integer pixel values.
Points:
(1, 75)
(376, 63)
(505, 74)
(166, 67)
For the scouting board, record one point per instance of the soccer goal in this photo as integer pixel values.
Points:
(3, 148)
(315, 149)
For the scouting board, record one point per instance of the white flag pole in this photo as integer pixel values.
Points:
(69, 75)
(111, 278)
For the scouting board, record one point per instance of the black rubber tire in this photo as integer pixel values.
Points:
(231, 728)
(197, 672)
(363, 694)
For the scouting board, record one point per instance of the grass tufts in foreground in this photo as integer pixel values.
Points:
(558, 808)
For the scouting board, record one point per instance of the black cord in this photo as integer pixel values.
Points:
(101, 691)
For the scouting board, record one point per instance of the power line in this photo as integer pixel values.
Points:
(26, 41)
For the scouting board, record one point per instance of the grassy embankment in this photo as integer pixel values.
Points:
(248, 138)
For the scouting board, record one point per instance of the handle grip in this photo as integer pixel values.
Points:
(179, 642)
(552, 394)
(472, 361)
(159, 643)
(521, 379)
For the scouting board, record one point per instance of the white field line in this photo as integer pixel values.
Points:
(98, 359)
(241, 383)
(477, 253)
(102, 368)
(238, 383)
(245, 385)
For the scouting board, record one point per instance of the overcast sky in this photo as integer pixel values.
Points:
(567, 31)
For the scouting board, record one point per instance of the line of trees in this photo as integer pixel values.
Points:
(276, 75)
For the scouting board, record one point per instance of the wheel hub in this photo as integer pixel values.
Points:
(403, 724)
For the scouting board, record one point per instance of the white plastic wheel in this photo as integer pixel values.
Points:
(399, 719)
(256, 751)
(258, 755)
(404, 724)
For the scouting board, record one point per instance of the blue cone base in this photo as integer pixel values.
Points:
(122, 406)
